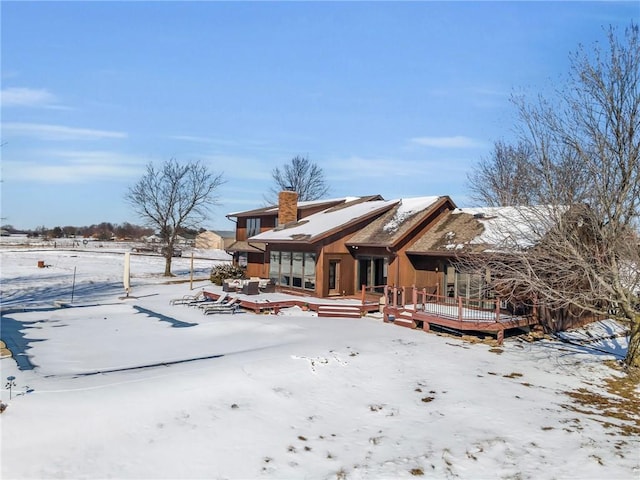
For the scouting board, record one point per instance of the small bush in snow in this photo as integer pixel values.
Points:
(224, 271)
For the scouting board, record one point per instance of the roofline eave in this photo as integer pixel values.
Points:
(280, 240)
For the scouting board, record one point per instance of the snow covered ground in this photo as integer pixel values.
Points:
(139, 388)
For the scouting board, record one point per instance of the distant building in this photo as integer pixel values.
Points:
(210, 239)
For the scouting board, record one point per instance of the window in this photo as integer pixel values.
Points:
(253, 227)
(296, 269)
(372, 272)
(285, 268)
(293, 269)
(274, 267)
(467, 285)
(310, 271)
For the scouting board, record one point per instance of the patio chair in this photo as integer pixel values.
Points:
(230, 306)
(229, 286)
(218, 301)
(269, 287)
(252, 287)
(187, 299)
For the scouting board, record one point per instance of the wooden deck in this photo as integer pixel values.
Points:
(407, 317)
(456, 314)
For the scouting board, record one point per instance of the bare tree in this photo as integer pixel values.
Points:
(174, 197)
(503, 178)
(586, 167)
(300, 175)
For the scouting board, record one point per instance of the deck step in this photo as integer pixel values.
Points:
(404, 318)
(344, 311)
(404, 322)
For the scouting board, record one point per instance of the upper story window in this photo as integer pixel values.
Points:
(253, 227)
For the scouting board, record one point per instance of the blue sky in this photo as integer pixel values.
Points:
(391, 98)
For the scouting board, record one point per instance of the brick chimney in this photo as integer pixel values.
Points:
(287, 207)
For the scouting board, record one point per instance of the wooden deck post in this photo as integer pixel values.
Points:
(497, 309)
(460, 308)
(414, 297)
(363, 293)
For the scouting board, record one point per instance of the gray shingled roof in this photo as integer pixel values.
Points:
(451, 234)
(395, 224)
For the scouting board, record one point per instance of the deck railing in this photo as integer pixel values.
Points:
(453, 308)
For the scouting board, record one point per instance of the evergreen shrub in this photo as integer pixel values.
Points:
(221, 272)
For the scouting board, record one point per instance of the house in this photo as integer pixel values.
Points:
(209, 240)
(408, 250)
(334, 247)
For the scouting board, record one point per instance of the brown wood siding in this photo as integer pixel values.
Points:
(256, 265)
(241, 229)
(429, 271)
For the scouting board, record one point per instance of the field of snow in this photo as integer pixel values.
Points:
(139, 388)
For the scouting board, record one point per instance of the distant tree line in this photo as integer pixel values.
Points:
(102, 231)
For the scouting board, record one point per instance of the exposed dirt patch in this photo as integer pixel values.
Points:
(619, 404)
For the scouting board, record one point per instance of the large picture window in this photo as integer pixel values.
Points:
(293, 269)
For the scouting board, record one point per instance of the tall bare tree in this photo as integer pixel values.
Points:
(504, 177)
(586, 166)
(174, 197)
(300, 175)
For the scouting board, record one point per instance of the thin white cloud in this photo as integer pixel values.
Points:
(57, 132)
(447, 142)
(27, 97)
(73, 167)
